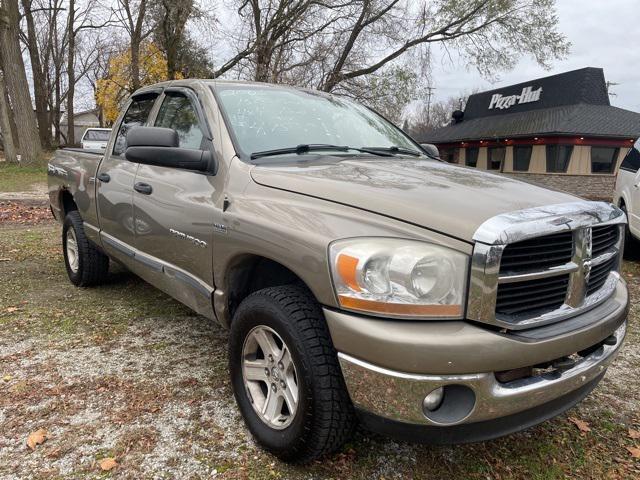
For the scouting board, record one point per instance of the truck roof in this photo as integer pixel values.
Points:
(211, 81)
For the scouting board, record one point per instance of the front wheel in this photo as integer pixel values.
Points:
(286, 377)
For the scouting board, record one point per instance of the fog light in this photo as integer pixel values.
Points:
(432, 401)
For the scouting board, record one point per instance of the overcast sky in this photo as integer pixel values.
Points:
(603, 34)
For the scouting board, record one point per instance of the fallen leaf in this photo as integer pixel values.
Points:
(36, 438)
(635, 434)
(6, 378)
(108, 463)
(581, 424)
(11, 309)
(634, 451)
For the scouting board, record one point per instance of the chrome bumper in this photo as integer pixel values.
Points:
(399, 396)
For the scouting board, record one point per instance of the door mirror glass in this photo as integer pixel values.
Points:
(159, 146)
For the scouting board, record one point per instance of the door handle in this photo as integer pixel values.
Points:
(104, 177)
(143, 188)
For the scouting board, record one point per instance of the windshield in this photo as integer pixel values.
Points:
(268, 118)
(97, 135)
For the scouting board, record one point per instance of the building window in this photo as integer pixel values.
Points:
(603, 159)
(496, 157)
(449, 155)
(471, 157)
(522, 158)
(558, 157)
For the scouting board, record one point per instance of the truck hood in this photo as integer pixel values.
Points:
(448, 199)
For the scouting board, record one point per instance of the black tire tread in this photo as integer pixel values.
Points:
(334, 419)
(93, 265)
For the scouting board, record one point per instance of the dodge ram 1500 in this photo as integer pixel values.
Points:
(361, 279)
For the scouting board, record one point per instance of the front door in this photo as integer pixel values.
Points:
(174, 213)
(115, 179)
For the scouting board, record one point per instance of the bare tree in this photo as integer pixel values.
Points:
(132, 16)
(95, 61)
(16, 81)
(38, 74)
(78, 20)
(6, 129)
(170, 19)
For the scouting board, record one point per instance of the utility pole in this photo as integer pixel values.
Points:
(429, 95)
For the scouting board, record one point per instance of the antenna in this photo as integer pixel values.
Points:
(611, 84)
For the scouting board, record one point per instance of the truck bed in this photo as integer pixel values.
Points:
(72, 172)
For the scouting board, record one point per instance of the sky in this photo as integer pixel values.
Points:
(603, 34)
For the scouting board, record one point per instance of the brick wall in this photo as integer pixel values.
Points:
(593, 187)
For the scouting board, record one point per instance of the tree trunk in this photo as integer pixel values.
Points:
(135, 65)
(71, 75)
(39, 84)
(16, 82)
(263, 57)
(5, 126)
(137, 35)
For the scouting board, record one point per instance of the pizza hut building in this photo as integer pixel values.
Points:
(560, 131)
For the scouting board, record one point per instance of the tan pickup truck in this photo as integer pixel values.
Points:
(360, 278)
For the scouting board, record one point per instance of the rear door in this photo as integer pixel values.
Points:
(174, 210)
(115, 179)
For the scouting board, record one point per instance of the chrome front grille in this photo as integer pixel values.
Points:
(536, 253)
(604, 238)
(542, 265)
(599, 274)
(541, 295)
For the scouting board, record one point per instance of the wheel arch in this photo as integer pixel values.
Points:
(246, 274)
(66, 202)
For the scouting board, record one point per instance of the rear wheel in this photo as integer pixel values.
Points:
(86, 265)
(286, 377)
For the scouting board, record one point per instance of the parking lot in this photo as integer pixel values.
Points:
(125, 372)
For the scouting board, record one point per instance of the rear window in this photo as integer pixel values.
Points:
(631, 162)
(97, 135)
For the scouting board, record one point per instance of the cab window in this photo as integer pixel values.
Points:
(136, 115)
(177, 112)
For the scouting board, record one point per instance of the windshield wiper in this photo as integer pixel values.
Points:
(393, 149)
(312, 147)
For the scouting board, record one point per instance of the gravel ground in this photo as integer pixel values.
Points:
(124, 372)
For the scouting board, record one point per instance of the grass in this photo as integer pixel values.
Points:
(123, 370)
(17, 178)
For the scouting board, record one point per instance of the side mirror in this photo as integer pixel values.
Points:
(159, 146)
(431, 149)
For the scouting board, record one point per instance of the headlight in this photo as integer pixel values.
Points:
(399, 278)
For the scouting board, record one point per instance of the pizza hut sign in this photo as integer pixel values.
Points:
(527, 95)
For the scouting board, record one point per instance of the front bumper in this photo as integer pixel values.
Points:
(441, 354)
(399, 396)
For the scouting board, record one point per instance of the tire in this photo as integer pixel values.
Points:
(323, 419)
(86, 265)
